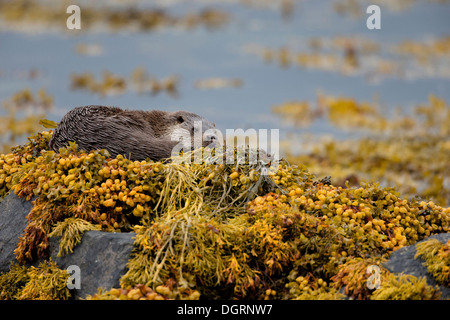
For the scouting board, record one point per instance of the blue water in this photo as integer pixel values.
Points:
(202, 53)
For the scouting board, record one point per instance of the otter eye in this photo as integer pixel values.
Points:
(180, 119)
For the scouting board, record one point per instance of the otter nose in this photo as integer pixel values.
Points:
(211, 137)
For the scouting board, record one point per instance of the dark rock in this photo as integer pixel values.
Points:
(101, 256)
(13, 212)
(402, 261)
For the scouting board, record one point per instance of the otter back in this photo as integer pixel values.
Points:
(133, 133)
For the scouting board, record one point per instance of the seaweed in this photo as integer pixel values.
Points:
(70, 230)
(209, 229)
(437, 259)
(406, 287)
(406, 150)
(44, 282)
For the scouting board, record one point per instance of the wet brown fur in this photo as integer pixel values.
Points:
(133, 133)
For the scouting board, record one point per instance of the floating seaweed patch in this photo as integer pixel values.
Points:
(89, 49)
(19, 14)
(112, 84)
(357, 8)
(218, 83)
(16, 126)
(409, 151)
(356, 56)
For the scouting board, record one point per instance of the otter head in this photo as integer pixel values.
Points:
(193, 131)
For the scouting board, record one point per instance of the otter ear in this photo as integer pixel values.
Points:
(180, 119)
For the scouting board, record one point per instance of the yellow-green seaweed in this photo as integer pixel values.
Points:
(71, 231)
(44, 282)
(437, 259)
(217, 231)
(405, 287)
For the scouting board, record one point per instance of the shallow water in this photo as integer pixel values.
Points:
(230, 51)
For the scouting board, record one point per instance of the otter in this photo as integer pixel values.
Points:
(135, 134)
